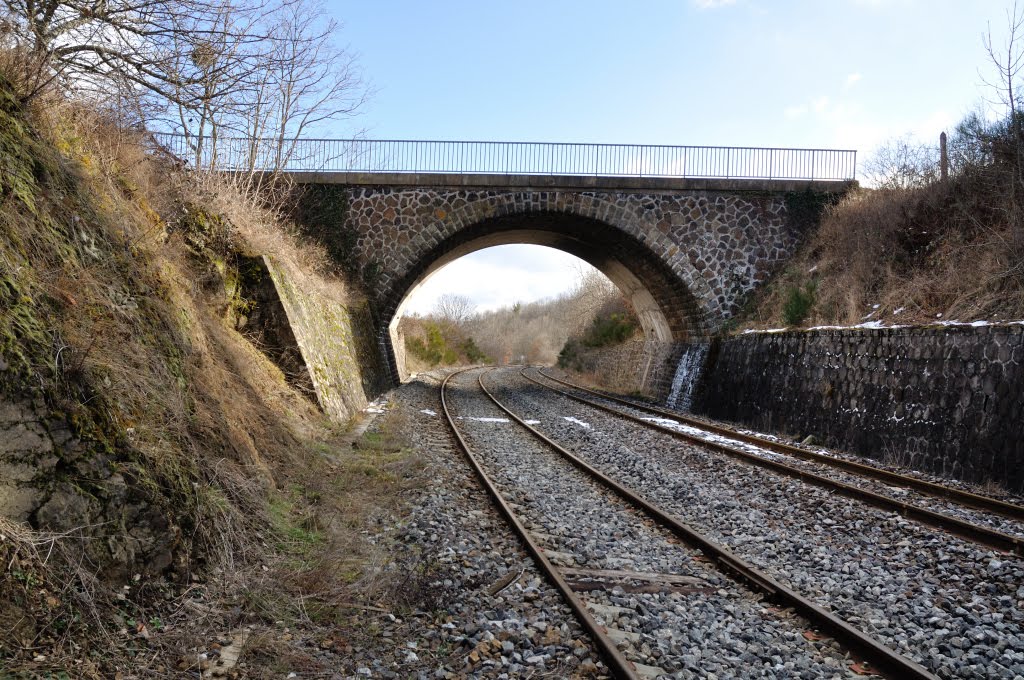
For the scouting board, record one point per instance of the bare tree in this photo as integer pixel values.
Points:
(902, 164)
(214, 75)
(242, 80)
(96, 45)
(453, 309)
(590, 293)
(314, 81)
(1007, 146)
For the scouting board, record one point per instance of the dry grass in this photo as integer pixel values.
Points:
(903, 256)
(259, 223)
(115, 327)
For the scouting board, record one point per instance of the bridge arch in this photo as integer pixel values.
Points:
(650, 270)
(686, 252)
(667, 311)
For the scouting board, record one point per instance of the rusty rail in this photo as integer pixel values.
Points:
(966, 498)
(879, 656)
(621, 666)
(971, 532)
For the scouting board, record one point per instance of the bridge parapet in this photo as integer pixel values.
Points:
(511, 158)
(617, 184)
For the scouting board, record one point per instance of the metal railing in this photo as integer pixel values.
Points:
(525, 158)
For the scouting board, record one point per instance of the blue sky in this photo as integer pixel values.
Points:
(802, 73)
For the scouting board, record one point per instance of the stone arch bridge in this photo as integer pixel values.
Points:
(686, 252)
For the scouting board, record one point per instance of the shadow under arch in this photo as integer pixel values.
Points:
(667, 310)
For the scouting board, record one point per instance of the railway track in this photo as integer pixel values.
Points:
(653, 565)
(965, 498)
(731, 442)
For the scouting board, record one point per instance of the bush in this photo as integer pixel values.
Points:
(569, 356)
(441, 344)
(799, 303)
(433, 349)
(610, 329)
(473, 353)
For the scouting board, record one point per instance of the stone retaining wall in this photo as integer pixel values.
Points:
(946, 400)
(638, 366)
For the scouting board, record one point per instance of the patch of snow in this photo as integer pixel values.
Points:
(875, 306)
(483, 419)
(978, 324)
(428, 412)
(879, 324)
(532, 422)
(866, 324)
(376, 406)
(766, 330)
(714, 438)
(812, 269)
(897, 310)
(585, 426)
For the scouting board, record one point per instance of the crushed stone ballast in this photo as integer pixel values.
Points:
(951, 605)
(607, 539)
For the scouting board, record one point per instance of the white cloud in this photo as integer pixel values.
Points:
(500, 276)
(712, 4)
(820, 104)
(795, 111)
(852, 80)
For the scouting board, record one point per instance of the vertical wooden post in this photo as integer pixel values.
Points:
(943, 158)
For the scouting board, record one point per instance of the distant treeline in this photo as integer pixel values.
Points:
(592, 314)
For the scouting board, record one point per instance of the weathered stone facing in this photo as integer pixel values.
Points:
(635, 366)
(687, 252)
(337, 342)
(53, 481)
(719, 245)
(946, 400)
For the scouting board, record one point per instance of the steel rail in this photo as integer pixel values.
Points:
(966, 498)
(879, 656)
(971, 532)
(620, 666)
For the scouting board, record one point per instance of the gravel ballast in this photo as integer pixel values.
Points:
(479, 607)
(714, 628)
(950, 605)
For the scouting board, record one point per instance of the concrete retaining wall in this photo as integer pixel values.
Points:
(337, 341)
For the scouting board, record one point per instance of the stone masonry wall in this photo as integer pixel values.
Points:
(688, 251)
(719, 245)
(635, 366)
(946, 400)
(337, 342)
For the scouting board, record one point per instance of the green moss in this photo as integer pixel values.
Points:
(296, 534)
(321, 212)
(24, 341)
(805, 208)
(19, 166)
